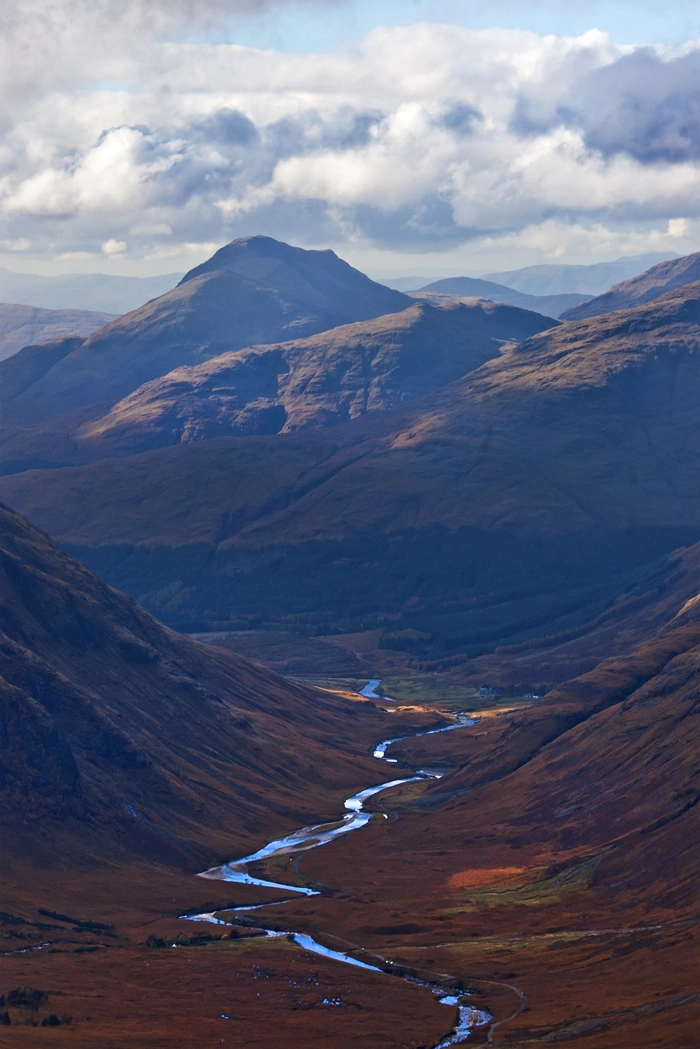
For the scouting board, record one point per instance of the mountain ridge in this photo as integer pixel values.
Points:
(319, 381)
(210, 311)
(592, 279)
(653, 283)
(532, 487)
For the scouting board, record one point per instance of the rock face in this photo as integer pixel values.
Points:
(663, 277)
(24, 325)
(255, 290)
(123, 738)
(304, 384)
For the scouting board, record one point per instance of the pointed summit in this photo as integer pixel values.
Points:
(253, 291)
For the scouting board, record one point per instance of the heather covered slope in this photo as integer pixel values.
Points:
(254, 290)
(120, 739)
(516, 499)
(319, 381)
(665, 276)
(25, 325)
(586, 424)
(563, 864)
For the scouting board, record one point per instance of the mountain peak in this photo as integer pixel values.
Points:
(254, 290)
(244, 255)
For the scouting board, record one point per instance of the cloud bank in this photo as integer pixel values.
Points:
(123, 139)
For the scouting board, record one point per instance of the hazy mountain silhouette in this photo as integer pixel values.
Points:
(590, 280)
(103, 292)
(548, 305)
(23, 325)
(663, 277)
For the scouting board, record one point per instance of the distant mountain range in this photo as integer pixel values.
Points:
(461, 287)
(560, 279)
(471, 471)
(554, 279)
(661, 278)
(23, 325)
(101, 292)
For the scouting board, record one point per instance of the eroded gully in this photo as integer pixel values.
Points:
(306, 838)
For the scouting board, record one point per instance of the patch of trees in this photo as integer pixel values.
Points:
(28, 1000)
(79, 924)
(190, 941)
(24, 998)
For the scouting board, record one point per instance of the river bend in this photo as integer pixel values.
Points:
(313, 837)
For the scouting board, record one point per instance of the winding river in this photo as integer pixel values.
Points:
(306, 838)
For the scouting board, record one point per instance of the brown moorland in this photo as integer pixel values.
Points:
(560, 891)
(130, 758)
(570, 880)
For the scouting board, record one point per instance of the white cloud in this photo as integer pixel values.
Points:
(21, 244)
(113, 247)
(421, 139)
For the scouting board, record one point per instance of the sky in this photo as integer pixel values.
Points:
(424, 137)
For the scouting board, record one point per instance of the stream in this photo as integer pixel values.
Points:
(313, 837)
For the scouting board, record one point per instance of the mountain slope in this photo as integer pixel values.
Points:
(557, 861)
(516, 500)
(548, 305)
(321, 381)
(663, 277)
(24, 325)
(255, 290)
(120, 738)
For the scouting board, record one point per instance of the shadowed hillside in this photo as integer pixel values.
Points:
(521, 498)
(316, 382)
(120, 738)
